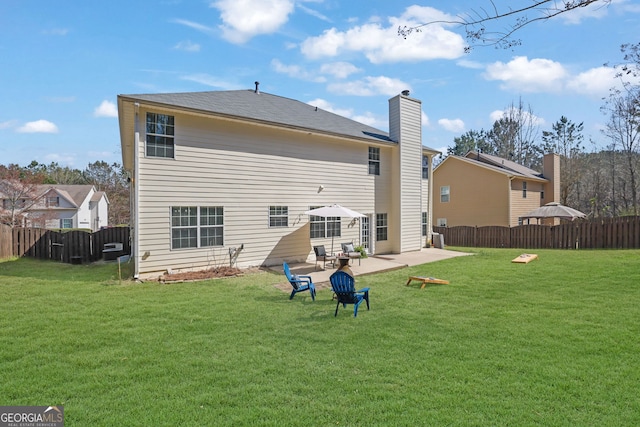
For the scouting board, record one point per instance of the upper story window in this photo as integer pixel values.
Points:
(278, 216)
(53, 202)
(425, 167)
(524, 189)
(374, 161)
(160, 135)
(444, 194)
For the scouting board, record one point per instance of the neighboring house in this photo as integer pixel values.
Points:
(482, 190)
(227, 176)
(64, 206)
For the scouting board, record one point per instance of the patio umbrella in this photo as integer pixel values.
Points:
(555, 210)
(334, 211)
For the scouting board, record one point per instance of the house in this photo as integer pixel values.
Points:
(482, 190)
(225, 177)
(62, 206)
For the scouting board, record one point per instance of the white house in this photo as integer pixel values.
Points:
(67, 206)
(226, 176)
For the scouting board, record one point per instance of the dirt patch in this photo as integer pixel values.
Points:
(212, 273)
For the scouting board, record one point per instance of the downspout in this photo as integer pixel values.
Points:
(135, 193)
(430, 202)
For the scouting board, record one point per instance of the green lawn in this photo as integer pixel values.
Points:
(555, 342)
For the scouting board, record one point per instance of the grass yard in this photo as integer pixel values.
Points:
(555, 342)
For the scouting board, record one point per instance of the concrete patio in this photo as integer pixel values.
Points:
(370, 265)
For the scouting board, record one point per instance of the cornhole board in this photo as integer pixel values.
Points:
(426, 280)
(525, 258)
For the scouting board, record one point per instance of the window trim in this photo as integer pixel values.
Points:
(374, 161)
(200, 222)
(445, 193)
(166, 136)
(425, 167)
(382, 227)
(524, 189)
(278, 212)
(330, 225)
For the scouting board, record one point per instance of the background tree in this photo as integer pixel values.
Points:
(478, 23)
(472, 140)
(623, 129)
(565, 139)
(19, 191)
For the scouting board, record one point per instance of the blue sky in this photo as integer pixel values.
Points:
(62, 64)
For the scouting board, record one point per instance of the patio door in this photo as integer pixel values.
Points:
(365, 234)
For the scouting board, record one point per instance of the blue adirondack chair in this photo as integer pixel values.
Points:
(343, 285)
(299, 283)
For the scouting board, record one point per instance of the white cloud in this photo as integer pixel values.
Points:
(61, 158)
(594, 82)
(382, 44)
(366, 118)
(244, 19)
(425, 120)
(209, 80)
(313, 12)
(595, 10)
(527, 117)
(370, 86)
(452, 125)
(8, 124)
(106, 109)
(524, 75)
(296, 71)
(194, 25)
(39, 126)
(340, 70)
(187, 46)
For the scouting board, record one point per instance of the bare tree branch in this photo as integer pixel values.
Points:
(476, 23)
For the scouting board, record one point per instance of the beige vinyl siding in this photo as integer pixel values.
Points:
(478, 196)
(384, 198)
(410, 176)
(520, 205)
(245, 169)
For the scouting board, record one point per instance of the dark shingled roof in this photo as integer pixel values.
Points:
(266, 108)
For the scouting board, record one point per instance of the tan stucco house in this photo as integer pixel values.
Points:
(482, 190)
(227, 176)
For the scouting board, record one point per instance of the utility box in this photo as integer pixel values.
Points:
(111, 251)
(438, 240)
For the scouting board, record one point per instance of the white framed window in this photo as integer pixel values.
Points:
(196, 227)
(53, 201)
(381, 227)
(425, 167)
(444, 194)
(278, 216)
(160, 135)
(66, 223)
(442, 222)
(425, 223)
(374, 161)
(320, 227)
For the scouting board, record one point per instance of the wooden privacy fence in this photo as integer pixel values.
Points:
(72, 246)
(609, 233)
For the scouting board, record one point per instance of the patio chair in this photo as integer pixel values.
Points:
(349, 251)
(299, 283)
(321, 255)
(343, 285)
